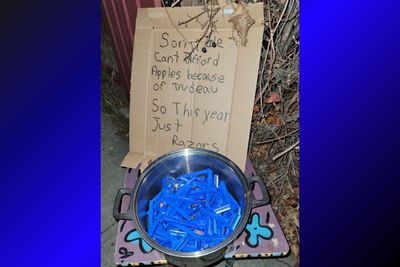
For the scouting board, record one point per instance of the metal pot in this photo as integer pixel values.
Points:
(180, 162)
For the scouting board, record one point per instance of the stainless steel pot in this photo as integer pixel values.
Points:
(180, 162)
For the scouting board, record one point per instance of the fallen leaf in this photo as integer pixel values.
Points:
(270, 120)
(278, 122)
(273, 98)
(242, 22)
(256, 109)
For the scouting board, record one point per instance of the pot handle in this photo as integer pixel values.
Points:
(117, 205)
(265, 196)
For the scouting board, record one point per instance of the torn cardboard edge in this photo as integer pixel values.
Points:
(145, 146)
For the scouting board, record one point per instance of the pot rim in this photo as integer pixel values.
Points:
(239, 229)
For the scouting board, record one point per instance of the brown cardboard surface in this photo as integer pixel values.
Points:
(170, 107)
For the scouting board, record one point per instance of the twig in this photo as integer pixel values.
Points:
(260, 96)
(192, 18)
(271, 39)
(173, 24)
(279, 72)
(277, 179)
(285, 151)
(175, 3)
(280, 141)
(209, 26)
(283, 13)
(275, 139)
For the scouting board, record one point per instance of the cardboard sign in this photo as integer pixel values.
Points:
(202, 99)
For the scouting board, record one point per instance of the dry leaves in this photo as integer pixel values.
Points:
(242, 22)
(273, 98)
(275, 124)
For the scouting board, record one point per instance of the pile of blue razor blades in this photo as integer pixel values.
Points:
(192, 212)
